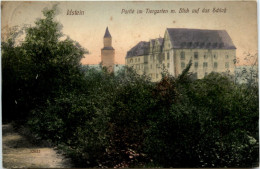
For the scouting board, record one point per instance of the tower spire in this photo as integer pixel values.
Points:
(107, 33)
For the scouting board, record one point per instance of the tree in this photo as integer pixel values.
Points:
(40, 68)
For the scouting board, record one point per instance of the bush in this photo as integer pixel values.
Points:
(208, 125)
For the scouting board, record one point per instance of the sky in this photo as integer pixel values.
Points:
(239, 20)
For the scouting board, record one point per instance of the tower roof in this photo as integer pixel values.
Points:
(107, 34)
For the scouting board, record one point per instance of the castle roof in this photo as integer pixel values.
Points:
(182, 38)
(200, 38)
(107, 34)
(142, 48)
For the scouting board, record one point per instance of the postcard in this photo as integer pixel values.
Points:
(106, 84)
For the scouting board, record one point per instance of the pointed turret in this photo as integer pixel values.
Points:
(107, 39)
(107, 34)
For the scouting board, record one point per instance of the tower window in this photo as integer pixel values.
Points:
(215, 56)
(205, 64)
(168, 56)
(196, 64)
(182, 55)
(182, 65)
(195, 75)
(196, 55)
(215, 64)
(227, 56)
(227, 65)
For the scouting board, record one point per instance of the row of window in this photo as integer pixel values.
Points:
(196, 56)
(157, 66)
(167, 56)
(136, 60)
(138, 67)
(205, 65)
(151, 75)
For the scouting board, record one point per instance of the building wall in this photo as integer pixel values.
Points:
(137, 63)
(108, 59)
(155, 61)
(107, 42)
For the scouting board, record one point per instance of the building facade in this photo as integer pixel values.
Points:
(108, 52)
(208, 50)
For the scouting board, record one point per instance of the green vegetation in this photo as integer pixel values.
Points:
(105, 120)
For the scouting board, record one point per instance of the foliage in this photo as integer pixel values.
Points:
(39, 68)
(210, 125)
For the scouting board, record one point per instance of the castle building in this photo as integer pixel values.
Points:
(108, 52)
(208, 50)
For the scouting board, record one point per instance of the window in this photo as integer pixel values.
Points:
(227, 65)
(168, 56)
(131, 60)
(168, 65)
(227, 56)
(205, 64)
(196, 55)
(215, 56)
(195, 75)
(182, 55)
(215, 64)
(196, 64)
(138, 59)
(205, 56)
(135, 59)
(182, 65)
(206, 73)
(169, 45)
(151, 66)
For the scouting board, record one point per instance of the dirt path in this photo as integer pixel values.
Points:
(18, 152)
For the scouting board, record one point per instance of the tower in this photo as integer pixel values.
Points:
(108, 52)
